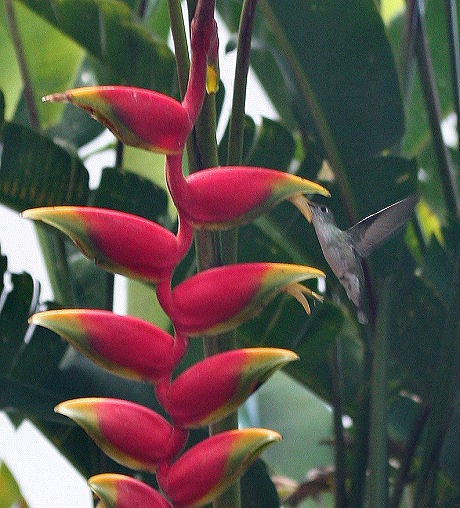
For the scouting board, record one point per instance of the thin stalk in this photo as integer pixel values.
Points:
(229, 239)
(407, 54)
(236, 131)
(378, 442)
(404, 468)
(361, 446)
(52, 246)
(446, 169)
(23, 69)
(180, 44)
(339, 441)
(182, 65)
(119, 149)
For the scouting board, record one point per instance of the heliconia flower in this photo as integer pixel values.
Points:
(223, 197)
(125, 345)
(120, 491)
(219, 299)
(148, 119)
(213, 388)
(207, 469)
(119, 242)
(129, 433)
(138, 117)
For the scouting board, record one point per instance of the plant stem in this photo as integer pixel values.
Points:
(52, 246)
(378, 439)
(236, 131)
(339, 441)
(361, 445)
(404, 468)
(229, 239)
(407, 52)
(443, 388)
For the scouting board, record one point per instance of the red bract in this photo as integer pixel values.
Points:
(215, 387)
(125, 345)
(119, 242)
(133, 435)
(120, 491)
(223, 197)
(138, 117)
(222, 298)
(207, 469)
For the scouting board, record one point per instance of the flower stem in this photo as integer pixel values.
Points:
(378, 435)
(229, 239)
(336, 366)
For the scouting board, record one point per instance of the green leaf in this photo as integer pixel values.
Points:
(46, 49)
(339, 52)
(130, 193)
(109, 30)
(14, 313)
(438, 265)
(76, 127)
(36, 172)
(2, 111)
(257, 489)
(270, 135)
(418, 320)
(284, 324)
(158, 19)
(248, 139)
(10, 79)
(276, 402)
(10, 493)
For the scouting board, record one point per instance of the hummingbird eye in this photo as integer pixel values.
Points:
(324, 209)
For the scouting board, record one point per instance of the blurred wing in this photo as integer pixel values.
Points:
(367, 234)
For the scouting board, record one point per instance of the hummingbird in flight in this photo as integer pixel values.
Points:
(343, 250)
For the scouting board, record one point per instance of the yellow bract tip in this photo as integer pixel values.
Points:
(212, 79)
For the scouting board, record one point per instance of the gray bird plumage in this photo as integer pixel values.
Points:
(343, 250)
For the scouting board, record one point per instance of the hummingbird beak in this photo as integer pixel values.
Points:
(302, 203)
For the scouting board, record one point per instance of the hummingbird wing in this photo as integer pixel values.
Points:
(367, 234)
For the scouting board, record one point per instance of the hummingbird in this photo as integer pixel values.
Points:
(344, 250)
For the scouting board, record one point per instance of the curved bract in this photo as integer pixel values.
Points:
(224, 197)
(130, 434)
(120, 491)
(194, 401)
(124, 345)
(222, 298)
(117, 241)
(213, 464)
(138, 117)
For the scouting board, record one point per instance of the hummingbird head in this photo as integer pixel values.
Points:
(321, 214)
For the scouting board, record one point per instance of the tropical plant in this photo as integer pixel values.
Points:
(352, 116)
